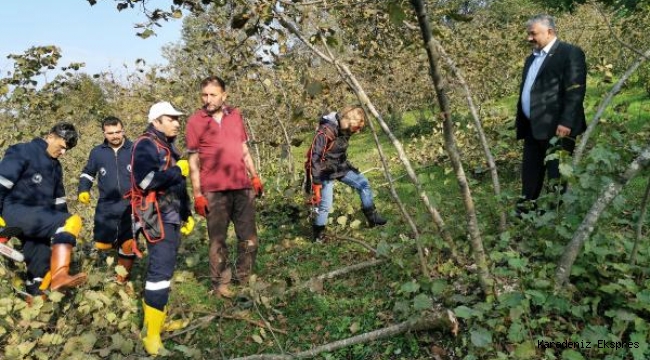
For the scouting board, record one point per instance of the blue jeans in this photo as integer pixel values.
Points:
(352, 179)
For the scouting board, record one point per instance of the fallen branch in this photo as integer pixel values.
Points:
(335, 273)
(208, 318)
(362, 243)
(444, 319)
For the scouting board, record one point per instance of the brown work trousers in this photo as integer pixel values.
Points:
(237, 206)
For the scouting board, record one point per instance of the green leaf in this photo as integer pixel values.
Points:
(481, 337)
(438, 286)
(516, 332)
(422, 302)
(519, 264)
(383, 249)
(570, 354)
(314, 88)
(401, 307)
(396, 13)
(410, 287)
(639, 338)
(526, 350)
(145, 34)
(537, 297)
(464, 312)
(566, 170)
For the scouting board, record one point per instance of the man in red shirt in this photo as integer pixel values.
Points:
(224, 183)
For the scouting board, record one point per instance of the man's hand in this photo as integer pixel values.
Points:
(257, 186)
(201, 205)
(184, 165)
(187, 228)
(562, 131)
(84, 197)
(315, 194)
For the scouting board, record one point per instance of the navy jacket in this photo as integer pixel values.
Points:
(29, 177)
(112, 171)
(149, 174)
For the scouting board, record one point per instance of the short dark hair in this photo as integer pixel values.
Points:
(111, 121)
(67, 132)
(214, 80)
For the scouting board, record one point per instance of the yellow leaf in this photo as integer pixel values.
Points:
(354, 327)
(257, 339)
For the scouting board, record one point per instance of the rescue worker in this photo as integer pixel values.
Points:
(110, 163)
(327, 161)
(157, 169)
(32, 198)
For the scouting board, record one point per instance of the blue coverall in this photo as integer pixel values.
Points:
(112, 170)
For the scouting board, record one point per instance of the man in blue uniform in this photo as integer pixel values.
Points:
(32, 198)
(157, 170)
(110, 164)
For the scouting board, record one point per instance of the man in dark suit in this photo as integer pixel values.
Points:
(550, 105)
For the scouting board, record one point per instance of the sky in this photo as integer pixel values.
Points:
(98, 35)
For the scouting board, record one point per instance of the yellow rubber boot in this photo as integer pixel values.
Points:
(153, 324)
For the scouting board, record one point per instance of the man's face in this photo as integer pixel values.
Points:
(55, 146)
(539, 35)
(213, 98)
(168, 125)
(114, 135)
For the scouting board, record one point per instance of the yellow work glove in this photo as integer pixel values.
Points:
(2, 222)
(184, 165)
(84, 197)
(187, 228)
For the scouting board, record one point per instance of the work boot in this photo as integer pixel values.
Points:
(35, 288)
(318, 233)
(154, 320)
(374, 219)
(128, 265)
(60, 266)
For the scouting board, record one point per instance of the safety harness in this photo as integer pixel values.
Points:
(145, 211)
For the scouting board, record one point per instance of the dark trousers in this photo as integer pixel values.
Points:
(237, 206)
(162, 262)
(534, 169)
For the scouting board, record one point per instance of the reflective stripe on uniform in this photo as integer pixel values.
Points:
(6, 182)
(158, 285)
(144, 184)
(84, 175)
(59, 201)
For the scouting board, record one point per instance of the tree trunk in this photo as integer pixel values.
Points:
(587, 227)
(485, 278)
(640, 221)
(489, 158)
(440, 320)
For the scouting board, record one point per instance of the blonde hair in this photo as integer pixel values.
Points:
(353, 117)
